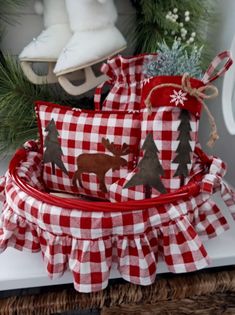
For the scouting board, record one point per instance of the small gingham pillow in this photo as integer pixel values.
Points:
(173, 122)
(85, 152)
(169, 133)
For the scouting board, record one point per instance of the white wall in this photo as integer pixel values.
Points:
(222, 37)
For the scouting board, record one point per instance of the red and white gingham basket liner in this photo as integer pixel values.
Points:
(88, 243)
(203, 212)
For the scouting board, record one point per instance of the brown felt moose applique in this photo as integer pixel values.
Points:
(101, 163)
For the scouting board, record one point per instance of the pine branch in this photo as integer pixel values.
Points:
(153, 27)
(17, 96)
(9, 8)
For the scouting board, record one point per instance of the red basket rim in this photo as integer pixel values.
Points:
(189, 190)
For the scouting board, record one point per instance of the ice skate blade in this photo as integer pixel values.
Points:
(91, 81)
(35, 78)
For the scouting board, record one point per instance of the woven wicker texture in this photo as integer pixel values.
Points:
(205, 292)
(218, 304)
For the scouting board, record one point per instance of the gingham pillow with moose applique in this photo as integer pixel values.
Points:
(85, 152)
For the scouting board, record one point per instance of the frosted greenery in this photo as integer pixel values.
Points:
(175, 60)
(17, 96)
(153, 26)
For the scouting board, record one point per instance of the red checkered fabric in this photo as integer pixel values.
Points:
(127, 77)
(82, 132)
(16, 232)
(203, 213)
(2, 186)
(208, 220)
(89, 242)
(171, 132)
(126, 80)
(184, 258)
(213, 182)
(210, 74)
(229, 198)
(163, 124)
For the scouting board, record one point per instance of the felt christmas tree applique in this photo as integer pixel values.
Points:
(150, 169)
(183, 157)
(53, 152)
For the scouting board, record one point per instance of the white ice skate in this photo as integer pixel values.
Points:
(95, 38)
(47, 47)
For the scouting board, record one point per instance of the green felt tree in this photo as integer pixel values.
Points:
(53, 152)
(183, 157)
(149, 169)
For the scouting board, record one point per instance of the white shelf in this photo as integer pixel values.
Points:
(24, 269)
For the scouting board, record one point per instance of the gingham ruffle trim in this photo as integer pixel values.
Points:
(90, 243)
(91, 260)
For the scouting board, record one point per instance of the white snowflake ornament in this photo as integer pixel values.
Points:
(178, 97)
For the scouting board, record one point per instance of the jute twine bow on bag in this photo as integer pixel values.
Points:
(208, 91)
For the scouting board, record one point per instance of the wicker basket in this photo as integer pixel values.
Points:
(202, 293)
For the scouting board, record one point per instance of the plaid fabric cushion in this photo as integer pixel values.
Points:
(172, 120)
(86, 151)
(175, 143)
(163, 123)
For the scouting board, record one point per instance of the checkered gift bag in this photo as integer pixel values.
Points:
(126, 77)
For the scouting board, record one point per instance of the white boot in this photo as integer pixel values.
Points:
(95, 36)
(49, 44)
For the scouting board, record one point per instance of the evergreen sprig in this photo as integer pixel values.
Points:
(175, 60)
(153, 26)
(17, 96)
(7, 7)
